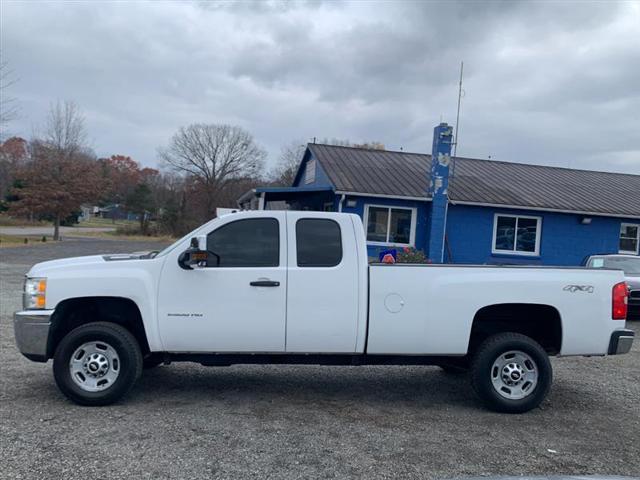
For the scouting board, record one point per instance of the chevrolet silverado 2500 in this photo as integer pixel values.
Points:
(296, 287)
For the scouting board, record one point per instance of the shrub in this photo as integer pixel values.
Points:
(411, 255)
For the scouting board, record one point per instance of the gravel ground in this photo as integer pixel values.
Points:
(189, 421)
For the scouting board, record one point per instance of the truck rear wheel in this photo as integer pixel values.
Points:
(511, 373)
(97, 363)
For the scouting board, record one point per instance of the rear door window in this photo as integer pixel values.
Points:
(318, 242)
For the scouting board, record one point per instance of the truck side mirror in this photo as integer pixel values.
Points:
(195, 255)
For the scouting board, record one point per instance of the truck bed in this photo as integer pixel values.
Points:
(419, 309)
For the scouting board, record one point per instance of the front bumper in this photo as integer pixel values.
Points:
(621, 341)
(31, 328)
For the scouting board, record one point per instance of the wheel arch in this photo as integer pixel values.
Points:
(74, 312)
(541, 322)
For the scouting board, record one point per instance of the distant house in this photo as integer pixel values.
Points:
(115, 211)
(86, 212)
(495, 213)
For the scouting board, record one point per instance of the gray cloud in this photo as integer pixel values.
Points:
(549, 83)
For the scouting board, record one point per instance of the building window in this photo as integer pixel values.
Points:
(516, 235)
(318, 242)
(630, 238)
(390, 226)
(310, 172)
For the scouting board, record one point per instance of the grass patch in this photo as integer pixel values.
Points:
(19, 240)
(105, 222)
(7, 221)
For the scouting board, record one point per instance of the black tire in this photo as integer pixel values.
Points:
(481, 372)
(129, 362)
(152, 361)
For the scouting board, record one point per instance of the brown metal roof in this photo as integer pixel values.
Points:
(402, 174)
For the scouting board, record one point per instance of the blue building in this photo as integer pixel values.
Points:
(465, 210)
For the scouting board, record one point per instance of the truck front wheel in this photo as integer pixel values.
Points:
(511, 373)
(97, 363)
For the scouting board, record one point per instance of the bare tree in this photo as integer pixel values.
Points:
(284, 172)
(65, 132)
(370, 145)
(213, 155)
(8, 107)
(339, 142)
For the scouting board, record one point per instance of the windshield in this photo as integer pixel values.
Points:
(629, 265)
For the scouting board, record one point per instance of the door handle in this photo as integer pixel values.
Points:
(264, 283)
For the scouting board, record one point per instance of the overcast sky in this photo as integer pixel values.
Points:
(548, 83)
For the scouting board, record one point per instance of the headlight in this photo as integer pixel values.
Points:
(35, 290)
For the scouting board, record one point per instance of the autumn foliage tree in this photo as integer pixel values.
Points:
(121, 176)
(54, 187)
(13, 154)
(127, 184)
(60, 174)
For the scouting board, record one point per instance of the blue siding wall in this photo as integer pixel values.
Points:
(422, 211)
(564, 240)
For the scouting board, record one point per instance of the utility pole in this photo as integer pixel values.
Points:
(455, 137)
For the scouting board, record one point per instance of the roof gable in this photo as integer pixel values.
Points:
(320, 178)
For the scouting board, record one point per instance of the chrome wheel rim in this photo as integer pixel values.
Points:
(514, 375)
(94, 366)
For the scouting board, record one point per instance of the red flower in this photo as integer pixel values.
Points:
(388, 258)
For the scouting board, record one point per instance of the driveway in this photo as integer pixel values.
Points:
(193, 422)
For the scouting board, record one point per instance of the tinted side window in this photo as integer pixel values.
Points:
(253, 242)
(318, 243)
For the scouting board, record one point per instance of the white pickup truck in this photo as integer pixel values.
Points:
(296, 287)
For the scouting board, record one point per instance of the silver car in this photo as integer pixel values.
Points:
(630, 265)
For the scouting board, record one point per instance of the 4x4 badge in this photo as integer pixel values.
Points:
(579, 288)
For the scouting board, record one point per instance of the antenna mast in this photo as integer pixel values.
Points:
(455, 138)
